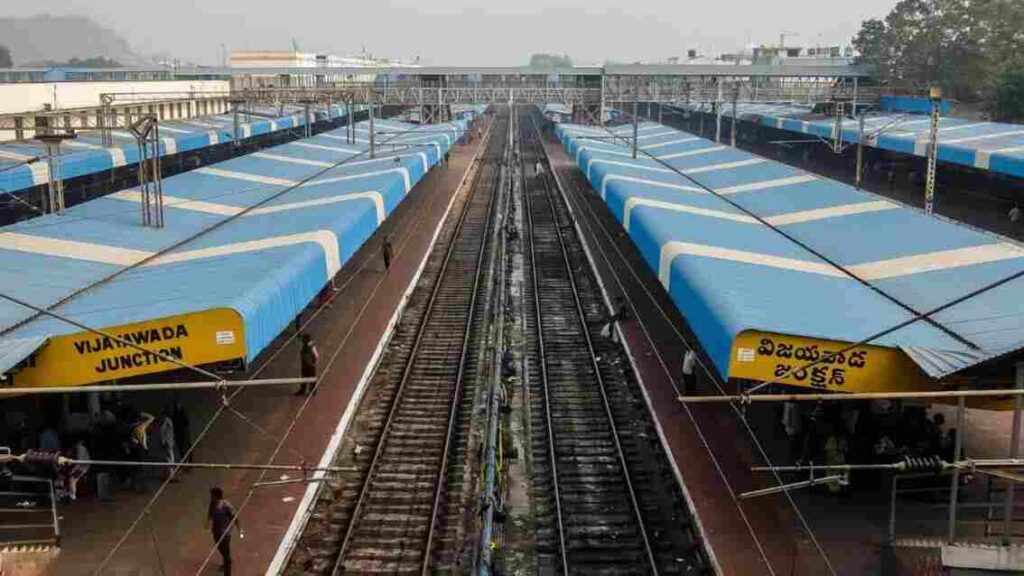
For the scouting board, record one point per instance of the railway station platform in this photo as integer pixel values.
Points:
(667, 197)
(348, 331)
(986, 146)
(86, 155)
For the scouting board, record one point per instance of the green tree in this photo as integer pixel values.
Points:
(5, 57)
(960, 45)
(550, 60)
(1009, 105)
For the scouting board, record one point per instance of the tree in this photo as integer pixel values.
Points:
(961, 45)
(1009, 106)
(873, 44)
(5, 57)
(550, 60)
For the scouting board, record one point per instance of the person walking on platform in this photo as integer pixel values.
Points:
(539, 168)
(446, 155)
(169, 452)
(182, 432)
(219, 517)
(307, 359)
(689, 377)
(387, 253)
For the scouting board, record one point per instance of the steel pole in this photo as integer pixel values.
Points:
(373, 134)
(1014, 447)
(860, 151)
(954, 483)
(933, 152)
(636, 117)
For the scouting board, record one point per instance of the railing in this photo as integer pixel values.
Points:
(23, 520)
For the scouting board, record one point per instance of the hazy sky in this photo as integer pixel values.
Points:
(466, 32)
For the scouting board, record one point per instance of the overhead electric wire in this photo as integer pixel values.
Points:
(668, 373)
(222, 407)
(846, 271)
(742, 417)
(298, 414)
(179, 243)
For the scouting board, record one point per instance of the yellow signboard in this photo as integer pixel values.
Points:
(86, 358)
(765, 357)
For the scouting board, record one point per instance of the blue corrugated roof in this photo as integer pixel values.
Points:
(727, 272)
(266, 264)
(985, 145)
(86, 154)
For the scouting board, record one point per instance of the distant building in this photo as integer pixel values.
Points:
(304, 64)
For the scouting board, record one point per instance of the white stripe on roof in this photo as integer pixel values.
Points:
(670, 250)
(830, 212)
(592, 161)
(175, 130)
(669, 143)
(229, 210)
(404, 172)
(940, 260)
(245, 176)
(322, 147)
(7, 154)
(636, 201)
(71, 249)
(766, 184)
(983, 137)
(326, 239)
(777, 220)
(117, 158)
(724, 166)
(373, 196)
(707, 150)
(290, 159)
(624, 178)
(983, 157)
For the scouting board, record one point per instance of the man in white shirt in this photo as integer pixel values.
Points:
(689, 377)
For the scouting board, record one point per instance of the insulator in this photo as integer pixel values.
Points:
(922, 463)
(42, 462)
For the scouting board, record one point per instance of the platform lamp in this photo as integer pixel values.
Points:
(54, 201)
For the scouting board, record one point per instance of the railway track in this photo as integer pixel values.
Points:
(605, 499)
(403, 509)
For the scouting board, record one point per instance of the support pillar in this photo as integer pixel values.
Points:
(954, 483)
(373, 135)
(860, 150)
(933, 151)
(636, 117)
(1011, 486)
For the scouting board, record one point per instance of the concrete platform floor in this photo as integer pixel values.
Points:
(172, 538)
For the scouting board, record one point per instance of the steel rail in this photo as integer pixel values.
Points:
(593, 359)
(396, 402)
(552, 459)
(442, 479)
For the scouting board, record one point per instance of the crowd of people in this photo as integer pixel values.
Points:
(877, 432)
(118, 432)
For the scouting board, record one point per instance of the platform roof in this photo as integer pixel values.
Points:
(992, 146)
(729, 272)
(86, 154)
(258, 235)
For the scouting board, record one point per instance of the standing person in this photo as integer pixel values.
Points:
(387, 252)
(446, 154)
(689, 378)
(307, 359)
(168, 450)
(219, 517)
(182, 432)
(1014, 214)
(78, 470)
(538, 168)
(138, 449)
